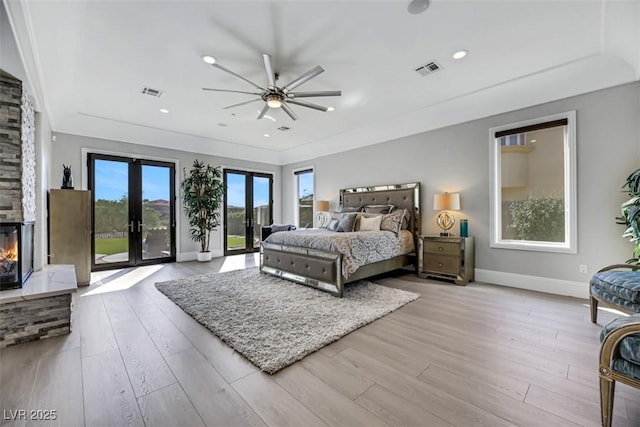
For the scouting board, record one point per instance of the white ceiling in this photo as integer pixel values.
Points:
(90, 60)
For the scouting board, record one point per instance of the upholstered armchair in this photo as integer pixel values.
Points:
(619, 360)
(617, 285)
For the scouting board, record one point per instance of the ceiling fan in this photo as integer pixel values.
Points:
(276, 96)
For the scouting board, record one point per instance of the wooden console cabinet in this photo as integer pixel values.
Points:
(449, 258)
(70, 231)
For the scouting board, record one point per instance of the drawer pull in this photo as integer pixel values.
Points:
(440, 264)
(440, 248)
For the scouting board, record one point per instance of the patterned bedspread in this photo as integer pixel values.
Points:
(357, 248)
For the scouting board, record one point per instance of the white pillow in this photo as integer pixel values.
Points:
(370, 224)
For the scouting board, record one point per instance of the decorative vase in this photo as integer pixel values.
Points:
(204, 256)
(464, 228)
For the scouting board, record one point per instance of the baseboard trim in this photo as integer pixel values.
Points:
(534, 283)
(192, 256)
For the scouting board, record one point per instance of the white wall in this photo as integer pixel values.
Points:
(456, 158)
(68, 150)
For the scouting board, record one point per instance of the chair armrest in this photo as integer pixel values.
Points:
(612, 334)
(615, 266)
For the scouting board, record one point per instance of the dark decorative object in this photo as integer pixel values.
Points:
(67, 178)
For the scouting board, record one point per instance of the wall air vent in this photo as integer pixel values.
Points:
(430, 68)
(284, 128)
(152, 92)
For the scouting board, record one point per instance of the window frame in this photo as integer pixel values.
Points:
(570, 244)
(296, 192)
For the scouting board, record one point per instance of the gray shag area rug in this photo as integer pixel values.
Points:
(274, 322)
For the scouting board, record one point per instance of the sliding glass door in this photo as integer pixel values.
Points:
(133, 211)
(248, 205)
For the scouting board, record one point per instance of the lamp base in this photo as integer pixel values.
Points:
(445, 234)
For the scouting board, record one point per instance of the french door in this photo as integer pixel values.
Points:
(133, 211)
(248, 205)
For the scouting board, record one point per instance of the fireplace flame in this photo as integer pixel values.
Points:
(11, 254)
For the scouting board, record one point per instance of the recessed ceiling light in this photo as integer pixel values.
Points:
(533, 140)
(418, 6)
(164, 110)
(209, 59)
(330, 109)
(266, 135)
(460, 54)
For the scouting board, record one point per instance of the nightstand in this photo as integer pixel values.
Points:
(450, 258)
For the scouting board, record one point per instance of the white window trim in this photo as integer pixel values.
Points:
(296, 216)
(570, 245)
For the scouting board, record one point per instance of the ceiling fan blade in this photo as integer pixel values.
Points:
(289, 111)
(226, 70)
(308, 105)
(234, 91)
(264, 111)
(267, 66)
(303, 78)
(242, 103)
(314, 94)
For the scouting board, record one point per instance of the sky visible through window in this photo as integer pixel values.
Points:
(112, 181)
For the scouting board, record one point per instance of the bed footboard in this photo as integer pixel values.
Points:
(318, 269)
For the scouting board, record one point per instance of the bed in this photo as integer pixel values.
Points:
(324, 260)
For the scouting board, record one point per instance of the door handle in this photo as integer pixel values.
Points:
(140, 226)
(131, 226)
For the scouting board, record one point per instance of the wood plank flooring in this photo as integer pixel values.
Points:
(479, 355)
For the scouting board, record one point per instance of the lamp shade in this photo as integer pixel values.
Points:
(446, 202)
(322, 206)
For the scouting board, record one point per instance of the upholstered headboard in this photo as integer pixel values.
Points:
(400, 195)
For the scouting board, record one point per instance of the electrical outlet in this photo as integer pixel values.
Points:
(583, 268)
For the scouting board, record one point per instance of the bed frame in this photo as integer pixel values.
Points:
(322, 269)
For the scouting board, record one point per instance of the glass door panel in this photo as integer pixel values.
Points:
(156, 212)
(133, 211)
(111, 212)
(236, 212)
(248, 207)
(261, 206)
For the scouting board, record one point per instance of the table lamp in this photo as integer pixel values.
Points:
(444, 203)
(322, 206)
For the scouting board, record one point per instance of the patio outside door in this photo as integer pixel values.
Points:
(133, 211)
(248, 205)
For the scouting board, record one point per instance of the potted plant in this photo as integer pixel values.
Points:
(631, 214)
(202, 191)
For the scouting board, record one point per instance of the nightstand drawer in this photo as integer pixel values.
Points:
(443, 264)
(441, 248)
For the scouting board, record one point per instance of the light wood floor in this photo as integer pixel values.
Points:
(478, 355)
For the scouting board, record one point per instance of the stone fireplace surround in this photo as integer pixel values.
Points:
(42, 307)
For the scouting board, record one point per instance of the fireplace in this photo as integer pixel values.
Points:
(16, 254)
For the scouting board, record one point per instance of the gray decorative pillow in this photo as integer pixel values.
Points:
(332, 224)
(393, 221)
(347, 222)
(381, 209)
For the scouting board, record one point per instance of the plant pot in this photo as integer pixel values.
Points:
(204, 256)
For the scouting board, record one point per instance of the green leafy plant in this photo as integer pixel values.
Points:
(631, 214)
(538, 219)
(202, 192)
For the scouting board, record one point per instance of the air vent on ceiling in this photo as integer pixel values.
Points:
(429, 68)
(152, 92)
(284, 128)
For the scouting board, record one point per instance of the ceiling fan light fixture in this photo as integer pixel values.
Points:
(330, 108)
(209, 59)
(274, 101)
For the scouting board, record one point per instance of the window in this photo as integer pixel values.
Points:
(533, 184)
(304, 197)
